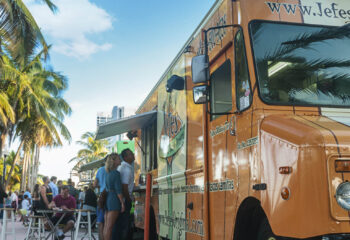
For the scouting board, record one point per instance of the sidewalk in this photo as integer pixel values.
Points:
(21, 232)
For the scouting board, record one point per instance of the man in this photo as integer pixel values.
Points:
(100, 183)
(59, 186)
(66, 202)
(126, 170)
(53, 186)
(82, 197)
(72, 190)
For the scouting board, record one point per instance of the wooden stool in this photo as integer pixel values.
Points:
(36, 225)
(88, 222)
(5, 220)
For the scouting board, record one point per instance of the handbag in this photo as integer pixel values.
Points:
(102, 199)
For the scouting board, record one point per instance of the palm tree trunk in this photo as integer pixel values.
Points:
(14, 163)
(24, 171)
(35, 168)
(29, 168)
(2, 146)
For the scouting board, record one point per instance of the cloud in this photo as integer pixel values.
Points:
(72, 28)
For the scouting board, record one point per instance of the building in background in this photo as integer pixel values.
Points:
(102, 117)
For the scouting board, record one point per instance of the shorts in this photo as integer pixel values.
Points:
(24, 212)
(100, 215)
(64, 221)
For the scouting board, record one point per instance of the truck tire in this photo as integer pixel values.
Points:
(152, 227)
(265, 231)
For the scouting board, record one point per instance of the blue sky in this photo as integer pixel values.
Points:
(113, 52)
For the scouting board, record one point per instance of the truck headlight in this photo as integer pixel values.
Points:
(343, 195)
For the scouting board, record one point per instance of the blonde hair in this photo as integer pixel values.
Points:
(109, 162)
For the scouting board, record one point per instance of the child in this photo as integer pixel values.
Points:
(25, 209)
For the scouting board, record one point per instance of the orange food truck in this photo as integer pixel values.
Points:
(247, 133)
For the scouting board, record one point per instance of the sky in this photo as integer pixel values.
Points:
(113, 53)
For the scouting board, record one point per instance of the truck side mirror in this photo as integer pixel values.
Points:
(200, 94)
(200, 69)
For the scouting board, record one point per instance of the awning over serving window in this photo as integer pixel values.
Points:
(92, 165)
(123, 125)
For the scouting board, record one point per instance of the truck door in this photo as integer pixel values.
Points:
(230, 97)
(222, 169)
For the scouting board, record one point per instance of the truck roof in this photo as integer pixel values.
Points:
(193, 36)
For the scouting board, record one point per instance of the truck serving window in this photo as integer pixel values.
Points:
(221, 89)
(149, 145)
(302, 64)
(243, 88)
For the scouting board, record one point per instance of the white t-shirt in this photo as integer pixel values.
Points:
(13, 197)
(127, 175)
(25, 204)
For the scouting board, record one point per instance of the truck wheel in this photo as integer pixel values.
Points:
(152, 227)
(265, 231)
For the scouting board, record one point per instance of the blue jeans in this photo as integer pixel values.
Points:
(121, 226)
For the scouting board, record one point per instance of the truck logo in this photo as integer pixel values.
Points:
(172, 136)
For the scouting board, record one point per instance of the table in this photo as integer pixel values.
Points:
(53, 227)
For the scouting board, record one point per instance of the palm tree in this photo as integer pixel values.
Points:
(38, 104)
(19, 30)
(92, 151)
(17, 170)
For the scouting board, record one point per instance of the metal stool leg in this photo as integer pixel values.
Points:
(4, 226)
(29, 228)
(89, 224)
(13, 225)
(78, 225)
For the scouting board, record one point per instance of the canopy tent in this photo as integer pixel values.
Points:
(117, 127)
(123, 125)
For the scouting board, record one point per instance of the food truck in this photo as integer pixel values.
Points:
(247, 133)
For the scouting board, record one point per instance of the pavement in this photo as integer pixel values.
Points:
(20, 231)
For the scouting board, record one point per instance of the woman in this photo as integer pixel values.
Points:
(45, 195)
(36, 198)
(114, 202)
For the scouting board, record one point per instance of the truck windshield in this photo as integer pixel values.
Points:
(301, 64)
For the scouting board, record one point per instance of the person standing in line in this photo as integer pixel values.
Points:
(126, 169)
(114, 201)
(100, 183)
(53, 186)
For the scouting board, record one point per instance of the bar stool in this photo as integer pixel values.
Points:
(36, 227)
(88, 222)
(5, 221)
